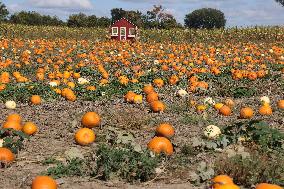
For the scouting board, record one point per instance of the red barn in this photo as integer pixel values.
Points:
(123, 30)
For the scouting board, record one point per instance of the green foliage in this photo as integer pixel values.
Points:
(248, 171)
(124, 163)
(13, 139)
(73, 167)
(3, 12)
(205, 18)
(240, 92)
(256, 131)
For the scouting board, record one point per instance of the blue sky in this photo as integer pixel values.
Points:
(237, 12)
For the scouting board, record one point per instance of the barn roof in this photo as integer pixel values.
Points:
(123, 18)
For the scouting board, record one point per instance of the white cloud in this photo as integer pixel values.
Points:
(66, 4)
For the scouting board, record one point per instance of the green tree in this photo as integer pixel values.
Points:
(205, 18)
(117, 14)
(3, 12)
(134, 16)
(103, 22)
(280, 1)
(77, 20)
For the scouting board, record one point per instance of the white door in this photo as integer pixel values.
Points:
(123, 33)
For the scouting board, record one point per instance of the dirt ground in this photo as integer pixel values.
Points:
(58, 121)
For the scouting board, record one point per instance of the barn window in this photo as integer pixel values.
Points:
(131, 31)
(114, 31)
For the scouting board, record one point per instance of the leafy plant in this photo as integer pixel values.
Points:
(13, 139)
(240, 92)
(124, 163)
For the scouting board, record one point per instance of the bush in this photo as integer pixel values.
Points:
(205, 18)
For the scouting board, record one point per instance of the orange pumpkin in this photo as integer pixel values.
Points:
(225, 110)
(6, 155)
(246, 113)
(148, 89)
(14, 117)
(265, 110)
(267, 186)
(35, 99)
(44, 182)
(158, 82)
(91, 119)
(85, 136)
(157, 106)
(151, 97)
(161, 144)
(221, 180)
(228, 186)
(229, 102)
(29, 128)
(129, 97)
(165, 130)
(12, 125)
(280, 104)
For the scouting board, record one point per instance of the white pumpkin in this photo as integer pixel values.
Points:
(209, 100)
(182, 93)
(265, 99)
(10, 104)
(212, 131)
(83, 81)
(52, 84)
(1, 143)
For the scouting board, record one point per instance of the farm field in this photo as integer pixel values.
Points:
(219, 95)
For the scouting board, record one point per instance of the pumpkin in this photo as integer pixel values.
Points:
(91, 119)
(29, 128)
(35, 99)
(246, 113)
(157, 106)
(225, 110)
(158, 82)
(151, 97)
(265, 110)
(201, 108)
(209, 101)
(14, 117)
(267, 186)
(10, 104)
(212, 131)
(165, 130)
(182, 93)
(44, 182)
(265, 100)
(221, 180)
(85, 136)
(129, 97)
(227, 186)
(229, 102)
(280, 104)
(6, 155)
(218, 106)
(12, 125)
(161, 144)
(138, 99)
(148, 89)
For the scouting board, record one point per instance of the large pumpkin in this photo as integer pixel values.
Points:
(91, 119)
(246, 113)
(44, 182)
(6, 155)
(161, 144)
(267, 186)
(157, 106)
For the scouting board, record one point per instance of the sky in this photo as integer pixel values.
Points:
(240, 13)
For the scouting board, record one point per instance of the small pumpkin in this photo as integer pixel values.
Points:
(165, 130)
(212, 131)
(221, 180)
(280, 104)
(138, 99)
(148, 89)
(157, 106)
(12, 125)
(246, 113)
(6, 155)
(228, 186)
(267, 186)
(161, 144)
(10, 104)
(151, 97)
(35, 99)
(85, 136)
(225, 110)
(229, 102)
(14, 117)
(129, 97)
(29, 128)
(218, 106)
(44, 182)
(265, 110)
(91, 119)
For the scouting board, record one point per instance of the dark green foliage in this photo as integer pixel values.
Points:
(205, 18)
(82, 20)
(124, 163)
(13, 139)
(240, 92)
(3, 12)
(257, 168)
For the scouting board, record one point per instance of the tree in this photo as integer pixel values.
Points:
(158, 18)
(77, 20)
(134, 16)
(117, 14)
(103, 22)
(3, 12)
(280, 1)
(205, 18)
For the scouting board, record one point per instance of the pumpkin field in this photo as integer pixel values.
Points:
(174, 109)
